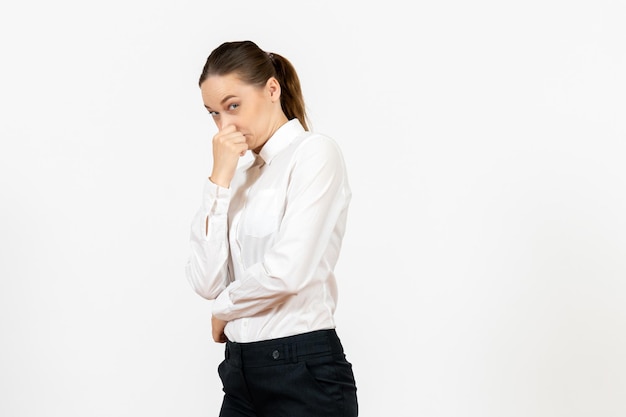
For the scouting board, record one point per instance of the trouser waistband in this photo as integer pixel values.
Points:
(283, 350)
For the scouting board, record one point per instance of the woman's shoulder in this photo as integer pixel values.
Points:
(314, 143)
(316, 152)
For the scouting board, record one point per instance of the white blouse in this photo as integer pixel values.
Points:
(274, 238)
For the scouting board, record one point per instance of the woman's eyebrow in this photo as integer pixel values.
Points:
(228, 97)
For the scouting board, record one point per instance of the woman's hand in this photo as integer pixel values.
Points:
(228, 146)
(218, 326)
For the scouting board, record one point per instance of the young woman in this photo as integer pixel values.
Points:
(266, 239)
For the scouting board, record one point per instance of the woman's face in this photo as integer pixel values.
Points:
(251, 109)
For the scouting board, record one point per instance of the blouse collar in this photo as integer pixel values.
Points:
(280, 140)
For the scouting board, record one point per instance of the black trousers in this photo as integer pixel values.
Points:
(306, 375)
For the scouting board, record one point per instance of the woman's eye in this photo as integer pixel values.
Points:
(233, 106)
(213, 113)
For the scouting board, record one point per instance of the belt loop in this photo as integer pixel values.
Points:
(294, 352)
(287, 352)
(227, 351)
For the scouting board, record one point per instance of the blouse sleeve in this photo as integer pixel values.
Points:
(207, 267)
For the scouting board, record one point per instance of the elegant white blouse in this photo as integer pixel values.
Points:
(274, 238)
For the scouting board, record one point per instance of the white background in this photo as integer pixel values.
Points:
(483, 271)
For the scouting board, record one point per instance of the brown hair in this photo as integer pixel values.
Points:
(254, 66)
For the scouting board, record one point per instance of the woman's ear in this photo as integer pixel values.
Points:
(273, 88)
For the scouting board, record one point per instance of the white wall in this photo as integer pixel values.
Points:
(483, 271)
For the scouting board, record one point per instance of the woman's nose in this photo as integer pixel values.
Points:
(224, 121)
